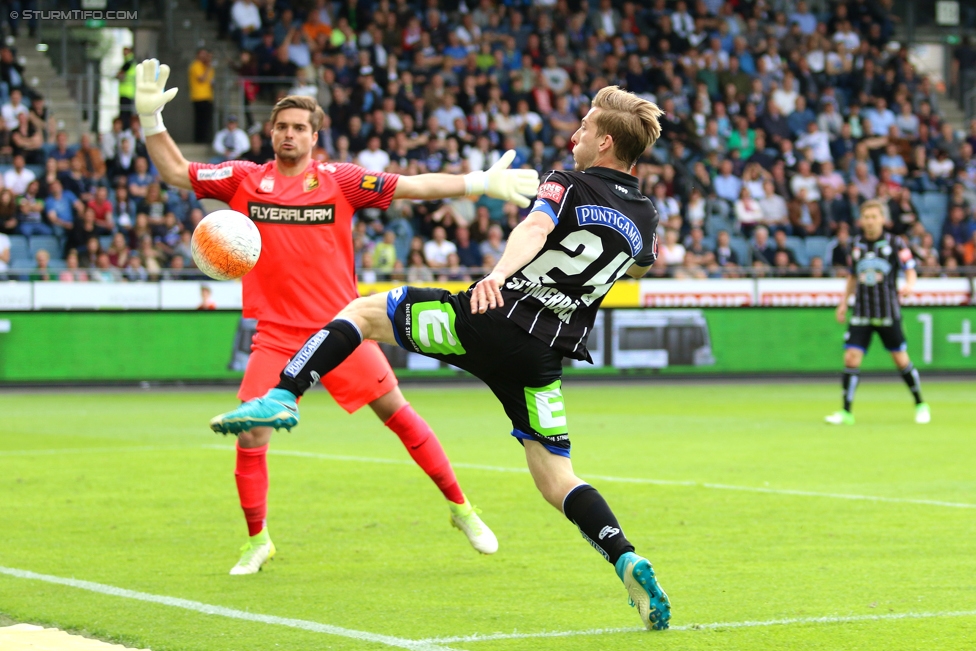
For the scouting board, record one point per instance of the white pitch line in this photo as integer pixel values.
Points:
(142, 448)
(633, 480)
(232, 613)
(701, 627)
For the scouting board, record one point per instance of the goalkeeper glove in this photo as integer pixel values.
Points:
(502, 183)
(150, 96)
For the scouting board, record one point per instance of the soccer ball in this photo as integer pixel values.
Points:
(226, 245)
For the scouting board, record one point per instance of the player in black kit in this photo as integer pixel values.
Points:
(876, 258)
(587, 229)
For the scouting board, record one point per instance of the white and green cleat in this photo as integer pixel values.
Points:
(842, 417)
(255, 553)
(465, 517)
(922, 413)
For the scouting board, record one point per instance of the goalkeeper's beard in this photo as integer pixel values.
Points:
(290, 155)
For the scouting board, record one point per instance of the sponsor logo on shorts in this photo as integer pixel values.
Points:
(372, 183)
(433, 328)
(547, 411)
(215, 174)
(273, 214)
(552, 191)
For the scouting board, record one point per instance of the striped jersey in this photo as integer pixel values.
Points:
(875, 266)
(603, 226)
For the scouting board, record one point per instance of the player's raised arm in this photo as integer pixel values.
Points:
(151, 97)
(524, 243)
(498, 182)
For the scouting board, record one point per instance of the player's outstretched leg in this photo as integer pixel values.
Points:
(585, 507)
(849, 381)
(427, 452)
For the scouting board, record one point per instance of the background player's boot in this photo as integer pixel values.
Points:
(922, 413)
(842, 417)
(276, 409)
(258, 551)
(465, 517)
(652, 603)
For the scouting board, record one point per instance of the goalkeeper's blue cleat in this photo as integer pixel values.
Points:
(278, 409)
(651, 601)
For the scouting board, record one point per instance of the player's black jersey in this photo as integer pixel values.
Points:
(603, 226)
(875, 265)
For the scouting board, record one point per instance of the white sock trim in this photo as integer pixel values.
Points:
(570, 492)
(353, 324)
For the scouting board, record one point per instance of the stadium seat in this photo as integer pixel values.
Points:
(932, 208)
(49, 243)
(709, 242)
(799, 249)
(743, 250)
(19, 248)
(105, 241)
(57, 264)
(716, 223)
(816, 247)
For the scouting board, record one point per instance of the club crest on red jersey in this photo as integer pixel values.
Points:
(266, 185)
(311, 181)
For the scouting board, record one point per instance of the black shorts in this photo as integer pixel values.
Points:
(859, 336)
(523, 372)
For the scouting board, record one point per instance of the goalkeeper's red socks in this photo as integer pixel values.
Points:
(252, 486)
(425, 449)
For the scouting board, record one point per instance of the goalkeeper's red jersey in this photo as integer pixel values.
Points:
(305, 274)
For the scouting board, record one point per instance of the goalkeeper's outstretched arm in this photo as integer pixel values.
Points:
(498, 182)
(151, 97)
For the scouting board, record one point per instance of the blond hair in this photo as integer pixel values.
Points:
(315, 114)
(630, 120)
(877, 205)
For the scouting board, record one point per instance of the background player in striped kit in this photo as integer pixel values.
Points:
(876, 258)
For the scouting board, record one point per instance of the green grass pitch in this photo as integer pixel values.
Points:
(753, 521)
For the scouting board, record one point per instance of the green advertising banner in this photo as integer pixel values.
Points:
(198, 346)
(106, 346)
(787, 340)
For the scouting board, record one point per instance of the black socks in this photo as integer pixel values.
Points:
(910, 375)
(586, 508)
(324, 350)
(850, 386)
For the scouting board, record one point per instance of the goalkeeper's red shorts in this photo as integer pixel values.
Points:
(362, 378)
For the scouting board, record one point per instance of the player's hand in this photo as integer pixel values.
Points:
(487, 294)
(151, 95)
(503, 183)
(842, 311)
(906, 290)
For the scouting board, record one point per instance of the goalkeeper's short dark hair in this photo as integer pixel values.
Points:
(315, 114)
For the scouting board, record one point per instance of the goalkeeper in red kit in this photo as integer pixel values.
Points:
(305, 276)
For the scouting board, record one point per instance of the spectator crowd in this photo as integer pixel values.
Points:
(778, 123)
